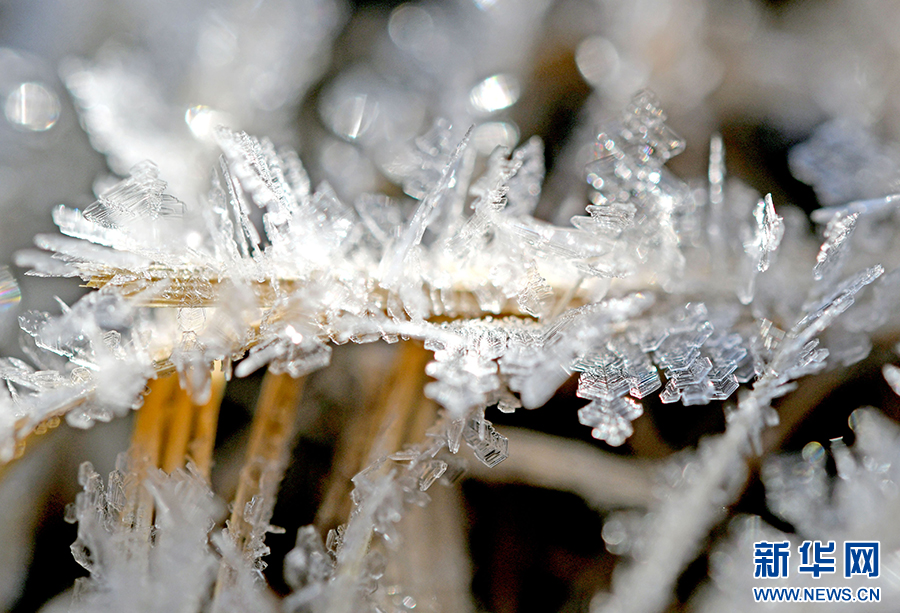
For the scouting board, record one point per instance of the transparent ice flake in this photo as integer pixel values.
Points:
(489, 446)
(535, 298)
(769, 231)
(431, 471)
(308, 563)
(610, 421)
(645, 120)
(525, 187)
(836, 246)
(139, 197)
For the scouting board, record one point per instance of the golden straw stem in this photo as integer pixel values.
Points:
(396, 417)
(268, 452)
(146, 445)
(179, 415)
(206, 420)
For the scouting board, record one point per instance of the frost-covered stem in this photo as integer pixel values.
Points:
(192, 287)
(602, 479)
(683, 520)
(393, 419)
(445, 579)
(268, 452)
(356, 539)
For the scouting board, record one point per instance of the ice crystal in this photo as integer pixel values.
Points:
(819, 506)
(837, 235)
(764, 240)
(489, 446)
(629, 180)
(128, 572)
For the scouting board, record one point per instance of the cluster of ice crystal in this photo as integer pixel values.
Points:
(635, 201)
(320, 270)
(352, 570)
(856, 504)
(129, 570)
(89, 363)
(699, 487)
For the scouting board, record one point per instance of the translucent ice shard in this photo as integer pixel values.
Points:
(490, 193)
(820, 313)
(465, 373)
(865, 208)
(769, 230)
(423, 164)
(260, 170)
(142, 196)
(715, 227)
(836, 246)
(439, 196)
(431, 471)
(610, 421)
(535, 298)
(308, 563)
(525, 187)
(876, 311)
(762, 241)
(489, 446)
(381, 216)
(135, 214)
(629, 183)
(652, 138)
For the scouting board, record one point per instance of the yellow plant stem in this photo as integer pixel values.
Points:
(267, 456)
(400, 414)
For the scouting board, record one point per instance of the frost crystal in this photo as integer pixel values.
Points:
(489, 446)
(833, 252)
(128, 571)
(762, 243)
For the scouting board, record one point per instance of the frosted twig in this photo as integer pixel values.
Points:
(602, 479)
(144, 456)
(394, 419)
(697, 499)
(268, 450)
